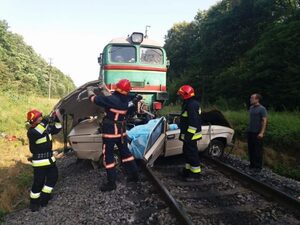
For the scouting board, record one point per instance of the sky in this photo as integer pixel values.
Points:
(74, 32)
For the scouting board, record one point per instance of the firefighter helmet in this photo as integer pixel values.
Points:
(123, 86)
(33, 115)
(186, 91)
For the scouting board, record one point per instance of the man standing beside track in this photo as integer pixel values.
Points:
(190, 132)
(256, 131)
(114, 132)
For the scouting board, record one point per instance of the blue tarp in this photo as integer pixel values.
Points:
(139, 136)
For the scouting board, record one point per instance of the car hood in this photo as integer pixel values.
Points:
(77, 105)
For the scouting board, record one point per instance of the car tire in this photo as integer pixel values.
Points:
(216, 149)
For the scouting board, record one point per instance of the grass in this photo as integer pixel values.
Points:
(15, 170)
(282, 129)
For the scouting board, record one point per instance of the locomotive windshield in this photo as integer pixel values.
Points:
(123, 54)
(151, 55)
(127, 54)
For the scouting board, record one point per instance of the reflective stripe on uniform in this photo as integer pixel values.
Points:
(192, 129)
(35, 195)
(184, 114)
(197, 136)
(39, 128)
(58, 125)
(109, 166)
(182, 136)
(122, 112)
(41, 140)
(113, 135)
(188, 166)
(130, 158)
(195, 169)
(42, 162)
(103, 153)
(47, 189)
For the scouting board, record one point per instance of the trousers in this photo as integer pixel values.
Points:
(190, 152)
(44, 180)
(108, 157)
(255, 150)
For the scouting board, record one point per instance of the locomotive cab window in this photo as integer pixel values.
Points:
(122, 54)
(151, 55)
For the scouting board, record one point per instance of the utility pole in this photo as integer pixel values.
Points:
(49, 91)
(146, 31)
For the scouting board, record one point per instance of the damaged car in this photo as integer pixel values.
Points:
(148, 138)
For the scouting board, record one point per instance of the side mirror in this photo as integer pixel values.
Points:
(168, 63)
(100, 59)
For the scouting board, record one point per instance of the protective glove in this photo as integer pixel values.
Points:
(49, 119)
(90, 91)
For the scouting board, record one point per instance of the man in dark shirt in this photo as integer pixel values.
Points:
(256, 132)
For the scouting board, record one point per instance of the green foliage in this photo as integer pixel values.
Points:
(237, 48)
(14, 108)
(2, 214)
(24, 71)
(239, 122)
(25, 178)
(282, 130)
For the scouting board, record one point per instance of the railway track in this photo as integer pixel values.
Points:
(223, 195)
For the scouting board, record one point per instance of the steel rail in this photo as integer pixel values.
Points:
(260, 187)
(179, 211)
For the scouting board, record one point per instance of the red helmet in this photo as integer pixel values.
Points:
(33, 115)
(123, 86)
(186, 91)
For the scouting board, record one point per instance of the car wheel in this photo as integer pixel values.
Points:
(216, 148)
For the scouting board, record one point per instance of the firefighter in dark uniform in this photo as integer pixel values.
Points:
(190, 132)
(114, 132)
(45, 172)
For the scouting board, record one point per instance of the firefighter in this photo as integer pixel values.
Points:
(190, 132)
(114, 132)
(45, 172)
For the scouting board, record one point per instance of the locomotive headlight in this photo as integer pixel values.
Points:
(137, 38)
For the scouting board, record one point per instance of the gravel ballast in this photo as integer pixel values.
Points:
(77, 199)
(284, 184)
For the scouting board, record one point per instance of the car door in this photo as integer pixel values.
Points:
(173, 144)
(156, 142)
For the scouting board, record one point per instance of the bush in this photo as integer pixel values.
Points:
(282, 129)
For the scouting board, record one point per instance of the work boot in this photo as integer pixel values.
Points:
(133, 177)
(109, 186)
(34, 207)
(45, 197)
(192, 177)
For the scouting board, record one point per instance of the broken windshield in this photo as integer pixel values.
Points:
(151, 55)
